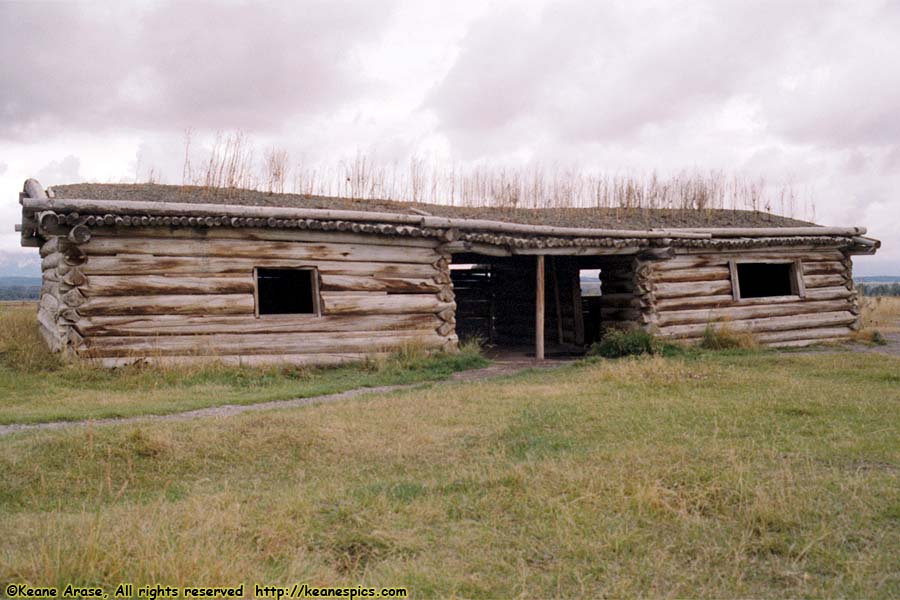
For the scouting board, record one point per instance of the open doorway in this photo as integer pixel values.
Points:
(496, 298)
(607, 292)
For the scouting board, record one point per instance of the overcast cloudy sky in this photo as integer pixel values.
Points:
(804, 93)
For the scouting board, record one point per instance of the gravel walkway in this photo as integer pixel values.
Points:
(499, 368)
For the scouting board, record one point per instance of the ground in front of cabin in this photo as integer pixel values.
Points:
(707, 474)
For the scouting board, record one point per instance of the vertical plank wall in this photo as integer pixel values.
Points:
(167, 292)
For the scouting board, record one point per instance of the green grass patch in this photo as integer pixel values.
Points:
(713, 474)
(38, 386)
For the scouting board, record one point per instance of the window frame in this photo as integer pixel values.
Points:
(316, 295)
(798, 288)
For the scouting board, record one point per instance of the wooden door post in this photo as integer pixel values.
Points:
(539, 310)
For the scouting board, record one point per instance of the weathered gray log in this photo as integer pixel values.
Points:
(734, 313)
(266, 212)
(79, 234)
(819, 281)
(657, 253)
(253, 249)
(781, 323)
(338, 342)
(206, 324)
(671, 304)
(693, 274)
(217, 304)
(577, 251)
(185, 265)
(477, 248)
(73, 298)
(391, 285)
(148, 285)
(266, 234)
(51, 246)
(822, 267)
(319, 359)
(50, 303)
(804, 334)
(776, 231)
(694, 288)
(74, 277)
(372, 304)
(827, 252)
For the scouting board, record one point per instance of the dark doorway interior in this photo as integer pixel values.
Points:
(495, 299)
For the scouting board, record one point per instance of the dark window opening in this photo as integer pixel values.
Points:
(286, 291)
(761, 280)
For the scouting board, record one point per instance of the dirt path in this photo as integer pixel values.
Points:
(498, 368)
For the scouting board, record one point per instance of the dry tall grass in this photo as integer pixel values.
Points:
(230, 165)
(880, 313)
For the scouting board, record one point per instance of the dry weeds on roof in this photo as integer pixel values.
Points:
(603, 217)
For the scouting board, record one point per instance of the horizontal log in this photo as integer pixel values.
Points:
(175, 265)
(779, 231)
(691, 262)
(476, 248)
(253, 360)
(390, 285)
(783, 323)
(830, 252)
(266, 234)
(199, 304)
(577, 251)
(819, 281)
(807, 342)
(217, 210)
(738, 312)
(186, 324)
(695, 288)
(295, 343)
(370, 304)
(256, 250)
(826, 267)
(804, 334)
(693, 274)
(148, 285)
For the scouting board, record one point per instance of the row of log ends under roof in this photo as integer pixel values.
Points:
(44, 216)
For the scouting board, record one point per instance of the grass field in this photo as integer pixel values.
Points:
(37, 386)
(713, 474)
(881, 313)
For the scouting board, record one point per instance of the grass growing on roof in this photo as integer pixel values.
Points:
(38, 386)
(708, 474)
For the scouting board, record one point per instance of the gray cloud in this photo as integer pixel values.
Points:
(62, 171)
(602, 72)
(177, 65)
(3, 167)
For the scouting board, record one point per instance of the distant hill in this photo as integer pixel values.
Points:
(20, 288)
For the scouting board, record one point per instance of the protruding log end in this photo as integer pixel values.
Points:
(33, 189)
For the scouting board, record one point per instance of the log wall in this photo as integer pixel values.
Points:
(694, 290)
(170, 294)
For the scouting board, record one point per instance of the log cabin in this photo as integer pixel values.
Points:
(173, 274)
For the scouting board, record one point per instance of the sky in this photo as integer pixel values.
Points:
(801, 93)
